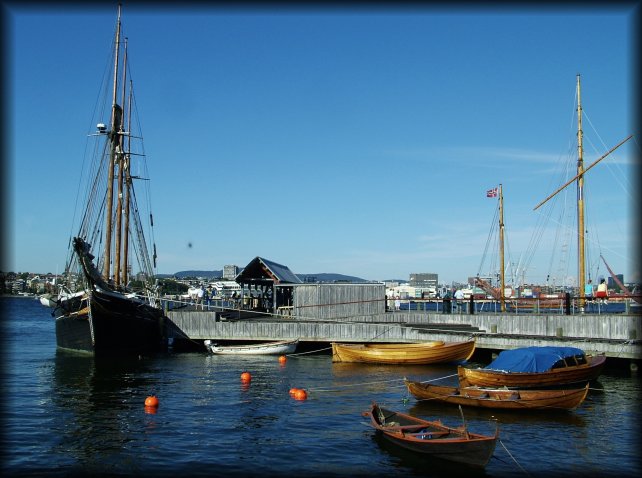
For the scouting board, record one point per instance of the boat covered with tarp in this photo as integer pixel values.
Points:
(535, 367)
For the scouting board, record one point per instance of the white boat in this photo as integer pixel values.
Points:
(266, 348)
(47, 301)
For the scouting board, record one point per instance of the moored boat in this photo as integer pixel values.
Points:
(104, 306)
(412, 353)
(265, 348)
(433, 438)
(499, 398)
(535, 367)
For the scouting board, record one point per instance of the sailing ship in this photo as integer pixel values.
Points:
(101, 307)
(578, 179)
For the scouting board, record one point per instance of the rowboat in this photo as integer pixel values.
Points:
(535, 367)
(265, 348)
(433, 438)
(413, 353)
(499, 398)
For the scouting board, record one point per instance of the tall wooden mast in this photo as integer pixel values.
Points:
(502, 279)
(128, 186)
(121, 179)
(116, 117)
(579, 177)
(581, 269)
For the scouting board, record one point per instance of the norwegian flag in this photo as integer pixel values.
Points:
(491, 193)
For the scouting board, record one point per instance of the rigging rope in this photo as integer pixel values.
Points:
(491, 233)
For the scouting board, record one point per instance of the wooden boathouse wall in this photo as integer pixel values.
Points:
(334, 301)
(617, 335)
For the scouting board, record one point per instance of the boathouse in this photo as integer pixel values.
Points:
(258, 280)
(271, 287)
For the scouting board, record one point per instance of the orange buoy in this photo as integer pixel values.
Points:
(282, 359)
(151, 401)
(300, 394)
(293, 391)
(246, 377)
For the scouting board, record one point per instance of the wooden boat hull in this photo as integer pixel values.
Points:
(428, 353)
(268, 348)
(432, 438)
(504, 399)
(551, 378)
(111, 324)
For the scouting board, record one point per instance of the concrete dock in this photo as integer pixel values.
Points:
(616, 335)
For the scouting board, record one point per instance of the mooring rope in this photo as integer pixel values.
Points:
(439, 378)
(296, 355)
(513, 458)
(352, 385)
(375, 382)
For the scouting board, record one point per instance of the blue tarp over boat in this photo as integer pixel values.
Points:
(532, 359)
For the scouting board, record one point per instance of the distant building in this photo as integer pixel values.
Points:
(423, 284)
(230, 272)
(425, 280)
(19, 285)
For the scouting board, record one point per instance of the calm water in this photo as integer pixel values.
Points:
(71, 415)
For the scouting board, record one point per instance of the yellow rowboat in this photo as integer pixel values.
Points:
(413, 353)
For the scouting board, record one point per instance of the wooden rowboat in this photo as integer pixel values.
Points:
(500, 398)
(433, 438)
(266, 348)
(414, 353)
(535, 367)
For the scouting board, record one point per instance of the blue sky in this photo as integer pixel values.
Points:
(357, 141)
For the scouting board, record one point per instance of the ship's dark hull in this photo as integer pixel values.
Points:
(111, 324)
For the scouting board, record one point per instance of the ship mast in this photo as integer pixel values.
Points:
(128, 186)
(116, 114)
(121, 179)
(502, 281)
(581, 263)
(579, 177)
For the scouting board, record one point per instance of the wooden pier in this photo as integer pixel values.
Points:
(616, 335)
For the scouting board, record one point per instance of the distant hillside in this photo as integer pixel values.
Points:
(321, 277)
(204, 274)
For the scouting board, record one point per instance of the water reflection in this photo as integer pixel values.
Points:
(451, 414)
(382, 377)
(95, 399)
(421, 465)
